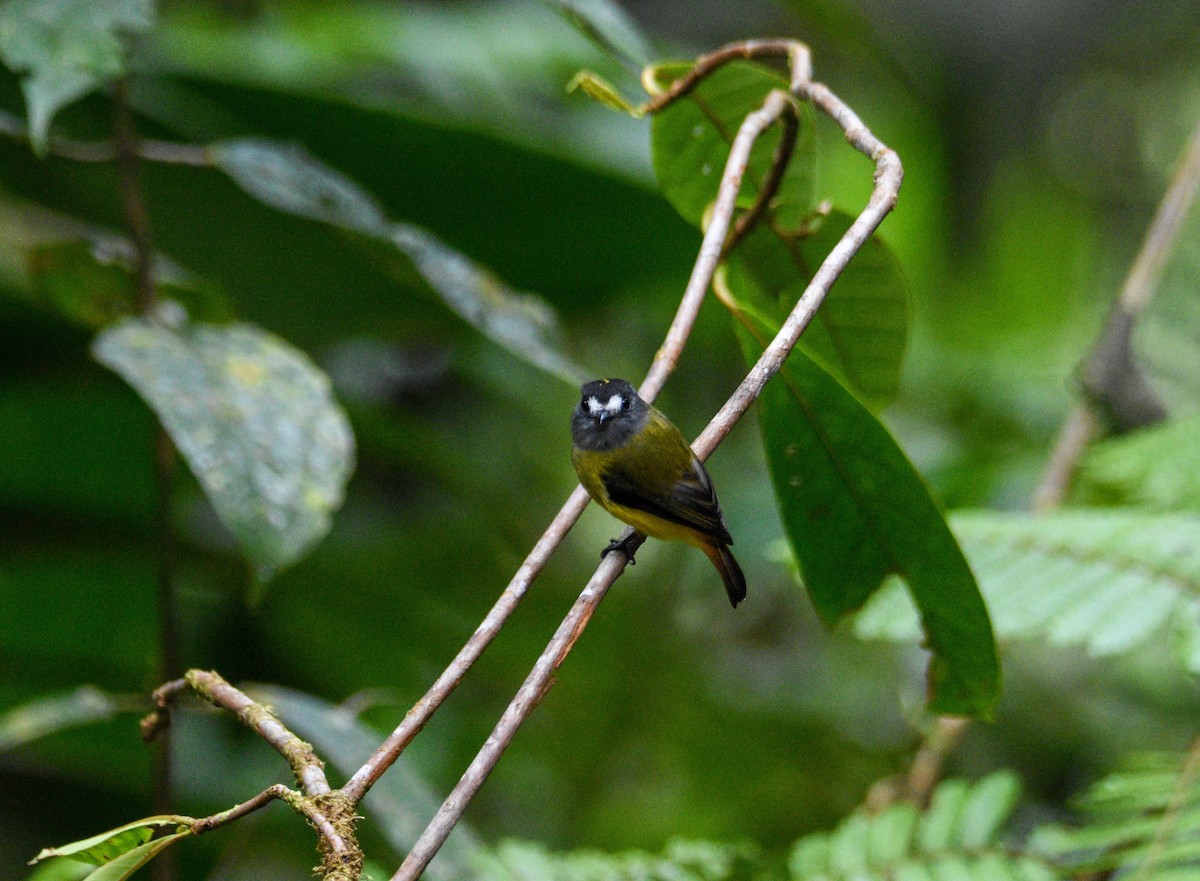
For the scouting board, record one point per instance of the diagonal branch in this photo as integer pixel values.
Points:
(883, 198)
(1110, 377)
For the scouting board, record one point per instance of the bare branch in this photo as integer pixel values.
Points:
(888, 176)
(1110, 376)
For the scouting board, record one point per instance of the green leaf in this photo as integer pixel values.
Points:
(289, 179)
(690, 142)
(1107, 579)
(945, 842)
(401, 803)
(47, 715)
(854, 510)
(1158, 467)
(108, 846)
(127, 863)
(1142, 821)
(599, 89)
(605, 23)
(65, 49)
(520, 322)
(92, 282)
(860, 331)
(255, 420)
(990, 802)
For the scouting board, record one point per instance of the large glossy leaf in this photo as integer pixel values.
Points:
(1107, 580)
(255, 420)
(401, 803)
(855, 510)
(690, 143)
(289, 179)
(861, 329)
(110, 845)
(66, 48)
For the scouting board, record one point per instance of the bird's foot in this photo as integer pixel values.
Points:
(622, 545)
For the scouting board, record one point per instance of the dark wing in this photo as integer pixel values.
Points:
(691, 501)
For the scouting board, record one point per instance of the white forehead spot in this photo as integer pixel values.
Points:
(612, 405)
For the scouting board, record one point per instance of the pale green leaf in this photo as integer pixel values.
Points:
(957, 838)
(108, 846)
(1104, 579)
(127, 863)
(65, 49)
(599, 89)
(256, 422)
(990, 802)
(939, 826)
(1158, 467)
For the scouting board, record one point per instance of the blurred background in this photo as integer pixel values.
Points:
(1036, 138)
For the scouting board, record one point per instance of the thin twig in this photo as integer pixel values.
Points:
(301, 804)
(770, 186)
(1082, 423)
(889, 174)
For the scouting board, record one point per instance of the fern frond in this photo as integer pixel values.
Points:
(1143, 822)
(680, 861)
(957, 837)
(1158, 467)
(1103, 579)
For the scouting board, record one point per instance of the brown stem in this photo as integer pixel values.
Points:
(1109, 373)
(137, 222)
(889, 174)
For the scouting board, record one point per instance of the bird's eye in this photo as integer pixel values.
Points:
(624, 405)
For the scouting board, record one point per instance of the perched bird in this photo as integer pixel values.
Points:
(637, 465)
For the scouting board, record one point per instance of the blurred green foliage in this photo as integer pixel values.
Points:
(1035, 142)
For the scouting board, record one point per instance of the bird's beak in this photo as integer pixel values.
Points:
(603, 416)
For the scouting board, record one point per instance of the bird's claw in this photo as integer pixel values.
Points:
(622, 545)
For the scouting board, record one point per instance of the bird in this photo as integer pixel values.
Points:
(636, 465)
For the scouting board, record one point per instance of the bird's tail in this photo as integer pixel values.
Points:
(731, 572)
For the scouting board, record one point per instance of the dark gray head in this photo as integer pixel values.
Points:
(608, 414)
